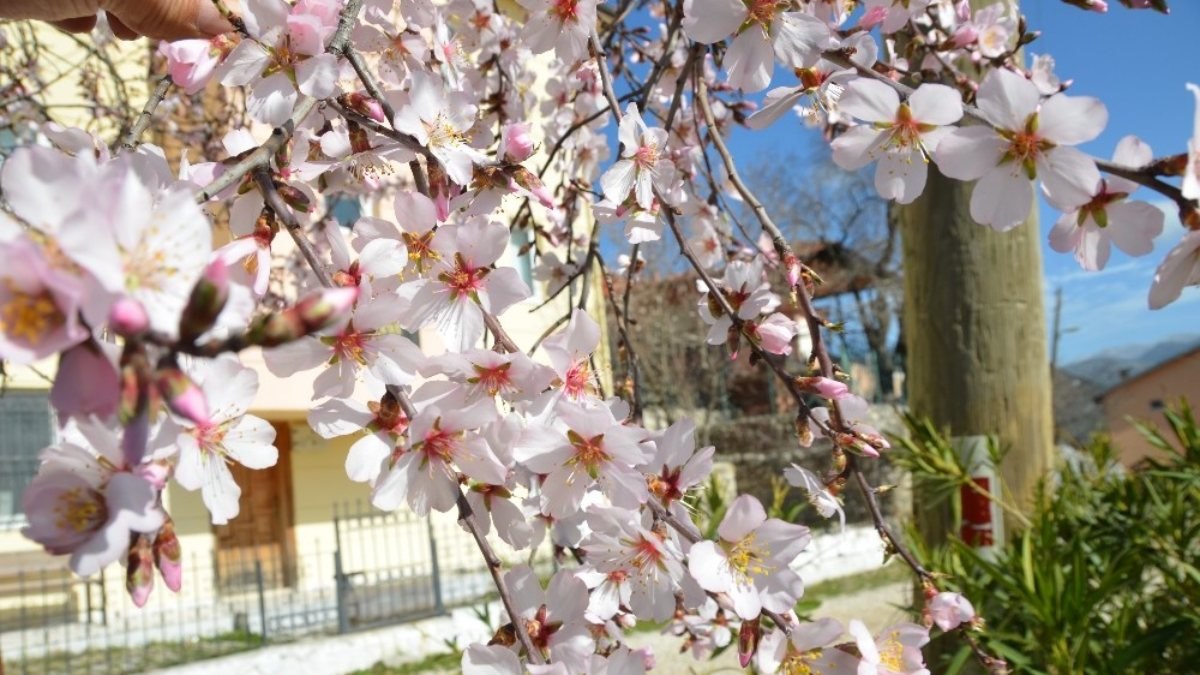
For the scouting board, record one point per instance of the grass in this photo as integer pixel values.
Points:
(855, 583)
(149, 656)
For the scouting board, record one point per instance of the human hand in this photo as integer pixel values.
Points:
(129, 19)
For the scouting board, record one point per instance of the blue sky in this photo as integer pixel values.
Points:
(1137, 62)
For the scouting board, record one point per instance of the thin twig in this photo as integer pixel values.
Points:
(274, 201)
(131, 140)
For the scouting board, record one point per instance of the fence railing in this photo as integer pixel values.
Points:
(383, 569)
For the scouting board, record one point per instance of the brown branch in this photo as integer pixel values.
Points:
(274, 201)
(131, 140)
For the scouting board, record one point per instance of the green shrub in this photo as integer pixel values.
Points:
(1104, 579)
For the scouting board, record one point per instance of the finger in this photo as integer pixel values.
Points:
(81, 24)
(169, 19)
(119, 29)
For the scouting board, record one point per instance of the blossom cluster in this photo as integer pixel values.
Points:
(463, 126)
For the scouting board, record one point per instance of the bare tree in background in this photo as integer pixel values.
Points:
(838, 223)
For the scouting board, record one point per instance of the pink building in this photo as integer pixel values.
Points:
(1144, 397)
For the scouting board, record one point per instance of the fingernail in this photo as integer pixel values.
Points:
(209, 20)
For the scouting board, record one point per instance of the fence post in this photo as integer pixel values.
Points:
(435, 571)
(340, 589)
(262, 601)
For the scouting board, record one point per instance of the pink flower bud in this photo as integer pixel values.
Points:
(139, 572)
(824, 387)
(325, 307)
(748, 637)
(964, 36)
(128, 318)
(168, 556)
(208, 298)
(948, 610)
(517, 142)
(1099, 6)
(366, 106)
(182, 395)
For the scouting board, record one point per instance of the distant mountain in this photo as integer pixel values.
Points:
(1110, 366)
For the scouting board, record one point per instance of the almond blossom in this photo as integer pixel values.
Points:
(902, 136)
(819, 496)
(227, 435)
(1110, 218)
(644, 165)
(593, 448)
(284, 54)
(463, 284)
(751, 559)
(808, 649)
(382, 421)
(896, 650)
(554, 616)
(570, 353)
(86, 502)
(895, 14)
(440, 440)
(633, 566)
(440, 121)
(1180, 268)
(949, 610)
(561, 25)
(368, 343)
(192, 63)
(1031, 140)
(764, 31)
(39, 306)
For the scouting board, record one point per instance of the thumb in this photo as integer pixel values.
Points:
(169, 19)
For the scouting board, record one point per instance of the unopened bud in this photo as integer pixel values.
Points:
(168, 556)
(310, 314)
(748, 637)
(128, 318)
(517, 142)
(824, 387)
(208, 298)
(182, 395)
(321, 309)
(365, 106)
(294, 197)
(139, 570)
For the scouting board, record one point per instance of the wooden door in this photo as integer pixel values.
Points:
(262, 532)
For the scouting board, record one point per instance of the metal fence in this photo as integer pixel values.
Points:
(384, 569)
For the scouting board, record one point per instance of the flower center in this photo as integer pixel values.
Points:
(419, 251)
(891, 653)
(29, 316)
(494, 380)
(442, 133)
(589, 452)
(800, 663)
(566, 11)
(747, 561)
(646, 156)
(761, 12)
(643, 553)
(80, 510)
(464, 280)
(440, 442)
(350, 344)
(579, 377)
(1025, 146)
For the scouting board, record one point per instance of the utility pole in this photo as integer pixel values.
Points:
(975, 327)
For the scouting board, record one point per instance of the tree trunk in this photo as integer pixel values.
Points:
(976, 336)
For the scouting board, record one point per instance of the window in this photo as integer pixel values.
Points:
(26, 427)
